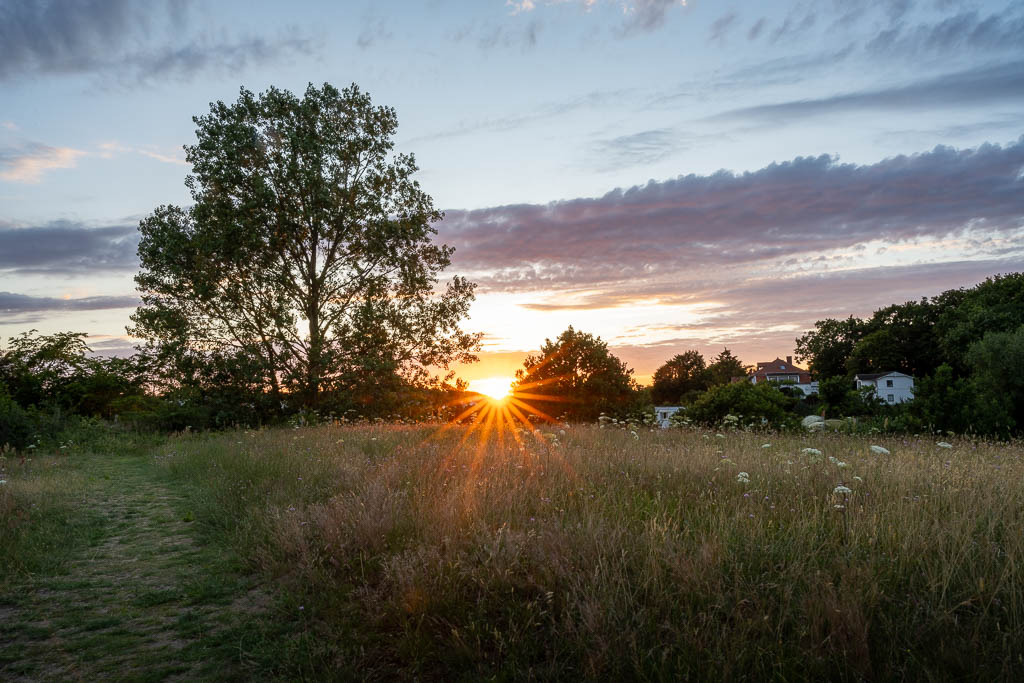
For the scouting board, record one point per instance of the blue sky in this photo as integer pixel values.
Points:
(668, 175)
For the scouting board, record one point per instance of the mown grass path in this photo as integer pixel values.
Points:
(140, 600)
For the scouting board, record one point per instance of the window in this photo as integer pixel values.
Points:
(888, 383)
(891, 398)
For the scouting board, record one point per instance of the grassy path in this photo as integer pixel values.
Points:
(140, 600)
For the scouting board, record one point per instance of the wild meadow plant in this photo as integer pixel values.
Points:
(580, 552)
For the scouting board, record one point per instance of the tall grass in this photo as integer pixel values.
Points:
(42, 521)
(590, 553)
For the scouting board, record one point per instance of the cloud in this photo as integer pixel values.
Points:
(646, 147)
(638, 16)
(11, 303)
(27, 163)
(785, 214)
(63, 247)
(542, 112)
(966, 31)
(109, 149)
(132, 41)
(983, 86)
(756, 29)
(720, 27)
(647, 15)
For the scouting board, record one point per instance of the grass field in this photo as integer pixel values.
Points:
(425, 552)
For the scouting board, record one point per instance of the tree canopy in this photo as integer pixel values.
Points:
(576, 376)
(680, 378)
(308, 250)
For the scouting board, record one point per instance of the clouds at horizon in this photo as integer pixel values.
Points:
(787, 213)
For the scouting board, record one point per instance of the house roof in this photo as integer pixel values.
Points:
(777, 366)
(871, 376)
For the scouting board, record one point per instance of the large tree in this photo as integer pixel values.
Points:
(576, 376)
(681, 378)
(308, 248)
(727, 367)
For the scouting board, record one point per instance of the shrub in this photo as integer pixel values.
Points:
(756, 403)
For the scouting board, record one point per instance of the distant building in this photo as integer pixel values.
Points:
(784, 372)
(663, 415)
(891, 387)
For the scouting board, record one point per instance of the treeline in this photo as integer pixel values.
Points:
(964, 347)
(53, 391)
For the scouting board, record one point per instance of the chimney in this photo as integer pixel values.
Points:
(789, 360)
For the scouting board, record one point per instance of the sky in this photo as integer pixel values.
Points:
(667, 175)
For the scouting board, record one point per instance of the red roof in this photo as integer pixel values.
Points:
(780, 367)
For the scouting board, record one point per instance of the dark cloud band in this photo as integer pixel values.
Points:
(63, 247)
(693, 224)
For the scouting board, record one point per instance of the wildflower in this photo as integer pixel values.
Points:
(810, 451)
(839, 507)
(3, 481)
(858, 478)
(844, 490)
(743, 478)
(880, 450)
(944, 444)
(766, 445)
(634, 435)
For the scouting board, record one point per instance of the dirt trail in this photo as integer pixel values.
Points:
(145, 603)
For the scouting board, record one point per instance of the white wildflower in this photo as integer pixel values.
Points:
(3, 481)
(810, 451)
(839, 507)
(858, 478)
(944, 444)
(634, 435)
(844, 490)
(743, 478)
(880, 450)
(720, 435)
(766, 445)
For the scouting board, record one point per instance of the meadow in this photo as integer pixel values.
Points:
(444, 553)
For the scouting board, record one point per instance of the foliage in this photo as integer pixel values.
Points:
(753, 403)
(15, 426)
(994, 362)
(966, 316)
(578, 377)
(726, 367)
(942, 342)
(307, 251)
(829, 345)
(681, 379)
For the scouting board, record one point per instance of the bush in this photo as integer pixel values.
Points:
(754, 403)
(15, 424)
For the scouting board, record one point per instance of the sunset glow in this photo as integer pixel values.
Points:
(495, 387)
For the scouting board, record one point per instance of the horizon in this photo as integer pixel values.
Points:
(667, 176)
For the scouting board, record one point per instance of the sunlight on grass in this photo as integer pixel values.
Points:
(580, 552)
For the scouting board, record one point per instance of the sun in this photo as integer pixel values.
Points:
(496, 387)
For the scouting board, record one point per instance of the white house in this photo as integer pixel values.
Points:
(891, 387)
(663, 413)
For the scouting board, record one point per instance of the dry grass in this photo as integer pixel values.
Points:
(590, 553)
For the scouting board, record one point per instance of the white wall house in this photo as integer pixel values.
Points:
(784, 372)
(891, 387)
(663, 413)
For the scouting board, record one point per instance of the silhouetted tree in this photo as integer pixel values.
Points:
(577, 376)
(306, 238)
(681, 378)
